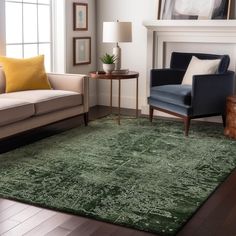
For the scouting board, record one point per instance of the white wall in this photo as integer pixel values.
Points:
(133, 54)
(70, 33)
(2, 28)
(59, 36)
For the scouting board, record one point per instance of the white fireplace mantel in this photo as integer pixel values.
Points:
(191, 25)
(160, 32)
(186, 31)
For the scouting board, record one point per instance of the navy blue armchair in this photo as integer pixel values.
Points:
(204, 98)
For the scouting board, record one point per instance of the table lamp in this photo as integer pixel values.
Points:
(117, 32)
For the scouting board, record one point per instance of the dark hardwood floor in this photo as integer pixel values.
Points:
(217, 217)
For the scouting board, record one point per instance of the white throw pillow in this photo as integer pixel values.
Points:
(200, 67)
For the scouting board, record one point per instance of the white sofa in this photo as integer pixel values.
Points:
(26, 110)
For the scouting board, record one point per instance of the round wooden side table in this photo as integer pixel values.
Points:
(230, 129)
(125, 76)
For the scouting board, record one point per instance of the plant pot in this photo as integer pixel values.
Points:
(108, 68)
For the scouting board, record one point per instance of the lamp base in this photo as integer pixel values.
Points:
(117, 53)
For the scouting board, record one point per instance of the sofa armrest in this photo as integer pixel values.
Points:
(166, 76)
(209, 92)
(71, 82)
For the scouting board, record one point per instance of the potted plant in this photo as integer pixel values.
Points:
(108, 62)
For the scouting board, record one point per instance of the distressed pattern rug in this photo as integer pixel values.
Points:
(142, 175)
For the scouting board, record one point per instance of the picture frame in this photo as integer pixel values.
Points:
(158, 7)
(194, 10)
(80, 16)
(81, 50)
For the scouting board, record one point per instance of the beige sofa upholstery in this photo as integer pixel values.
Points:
(13, 110)
(46, 101)
(26, 110)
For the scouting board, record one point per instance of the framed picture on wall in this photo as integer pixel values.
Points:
(192, 9)
(82, 50)
(80, 16)
(158, 7)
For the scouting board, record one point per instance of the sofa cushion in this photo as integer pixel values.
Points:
(13, 110)
(173, 94)
(46, 101)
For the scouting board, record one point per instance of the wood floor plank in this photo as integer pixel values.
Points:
(104, 230)
(11, 211)
(4, 204)
(85, 229)
(59, 231)
(31, 223)
(48, 225)
(141, 233)
(124, 232)
(229, 226)
(73, 223)
(7, 225)
(26, 214)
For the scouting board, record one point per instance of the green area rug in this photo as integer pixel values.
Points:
(142, 175)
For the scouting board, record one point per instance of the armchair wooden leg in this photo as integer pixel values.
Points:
(86, 119)
(150, 114)
(187, 125)
(224, 120)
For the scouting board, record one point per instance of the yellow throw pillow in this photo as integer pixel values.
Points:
(24, 74)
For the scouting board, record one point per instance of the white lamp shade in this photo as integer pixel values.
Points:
(115, 32)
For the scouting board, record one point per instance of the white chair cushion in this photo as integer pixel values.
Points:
(46, 101)
(200, 67)
(13, 110)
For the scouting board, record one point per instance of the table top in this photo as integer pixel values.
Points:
(103, 75)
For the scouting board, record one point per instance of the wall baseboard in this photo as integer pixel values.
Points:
(92, 100)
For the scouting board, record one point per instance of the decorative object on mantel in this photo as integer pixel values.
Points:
(117, 32)
(192, 9)
(108, 62)
(80, 16)
(82, 50)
